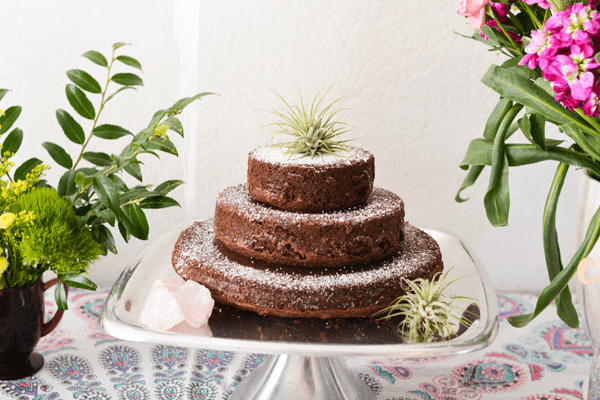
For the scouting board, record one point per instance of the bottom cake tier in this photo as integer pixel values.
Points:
(284, 291)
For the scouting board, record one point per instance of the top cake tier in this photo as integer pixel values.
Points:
(323, 183)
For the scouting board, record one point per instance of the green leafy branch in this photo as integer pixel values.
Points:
(96, 192)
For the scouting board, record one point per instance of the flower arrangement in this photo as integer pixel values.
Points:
(65, 228)
(313, 128)
(551, 75)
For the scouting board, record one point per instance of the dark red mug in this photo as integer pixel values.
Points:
(21, 327)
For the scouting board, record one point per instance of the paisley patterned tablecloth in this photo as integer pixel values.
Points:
(546, 360)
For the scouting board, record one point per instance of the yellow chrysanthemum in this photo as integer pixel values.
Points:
(3, 264)
(7, 220)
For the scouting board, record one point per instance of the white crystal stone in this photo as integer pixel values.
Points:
(196, 303)
(161, 311)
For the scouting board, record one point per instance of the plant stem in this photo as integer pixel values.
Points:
(111, 169)
(510, 39)
(531, 14)
(112, 60)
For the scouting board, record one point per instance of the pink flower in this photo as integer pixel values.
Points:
(474, 10)
(542, 3)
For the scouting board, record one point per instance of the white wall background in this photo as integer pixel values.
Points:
(412, 84)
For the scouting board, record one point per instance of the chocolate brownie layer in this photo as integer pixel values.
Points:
(284, 291)
(330, 239)
(324, 183)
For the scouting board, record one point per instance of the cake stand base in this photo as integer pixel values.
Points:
(281, 377)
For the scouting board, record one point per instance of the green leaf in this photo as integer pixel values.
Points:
(183, 103)
(13, 141)
(565, 308)
(127, 79)
(497, 198)
(597, 57)
(157, 117)
(110, 132)
(469, 180)
(60, 296)
(73, 131)
(84, 80)
(138, 219)
(66, 183)
(108, 216)
(25, 168)
(132, 62)
(525, 126)
(96, 58)
(97, 158)
(522, 70)
(124, 232)
(117, 91)
(479, 152)
(134, 170)
(108, 193)
(167, 186)
(118, 45)
(58, 154)
(119, 182)
(82, 180)
(496, 117)
(3, 93)
(538, 130)
(80, 102)
(561, 281)
(519, 90)
(157, 202)
(175, 125)
(163, 144)
(7, 120)
(103, 236)
(78, 281)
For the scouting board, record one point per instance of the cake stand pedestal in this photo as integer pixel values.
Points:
(306, 356)
(303, 378)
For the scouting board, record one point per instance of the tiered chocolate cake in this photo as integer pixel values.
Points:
(307, 237)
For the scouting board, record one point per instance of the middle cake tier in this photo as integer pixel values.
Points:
(318, 240)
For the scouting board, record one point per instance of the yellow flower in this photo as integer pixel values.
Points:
(6, 220)
(3, 264)
(160, 130)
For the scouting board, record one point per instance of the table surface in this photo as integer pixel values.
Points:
(545, 360)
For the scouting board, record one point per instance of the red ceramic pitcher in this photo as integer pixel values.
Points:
(21, 327)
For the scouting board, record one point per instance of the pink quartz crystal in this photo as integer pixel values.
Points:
(196, 303)
(161, 311)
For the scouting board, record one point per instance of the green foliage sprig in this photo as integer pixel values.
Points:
(427, 314)
(95, 194)
(314, 129)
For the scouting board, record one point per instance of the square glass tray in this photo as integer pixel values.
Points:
(235, 330)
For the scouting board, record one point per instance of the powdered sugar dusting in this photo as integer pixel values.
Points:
(381, 203)
(199, 254)
(276, 155)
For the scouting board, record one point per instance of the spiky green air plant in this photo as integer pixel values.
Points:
(428, 315)
(314, 129)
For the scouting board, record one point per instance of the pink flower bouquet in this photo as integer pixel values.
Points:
(551, 75)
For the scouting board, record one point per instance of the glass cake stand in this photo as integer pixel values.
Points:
(306, 356)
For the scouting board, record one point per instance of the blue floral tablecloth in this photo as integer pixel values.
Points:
(546, 360)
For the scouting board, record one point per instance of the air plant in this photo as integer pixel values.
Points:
(428, 314)
(314, 130)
